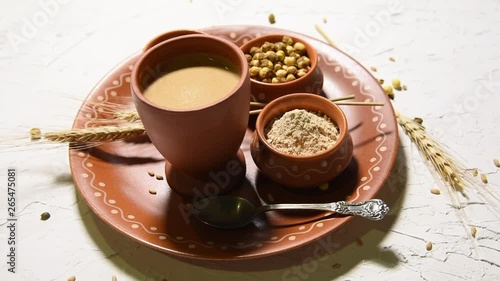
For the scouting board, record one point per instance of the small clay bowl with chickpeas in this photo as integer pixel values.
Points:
(301, 156)
(282, 64)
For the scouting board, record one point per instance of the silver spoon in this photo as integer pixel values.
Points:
(234, 212)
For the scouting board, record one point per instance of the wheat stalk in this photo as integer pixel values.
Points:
(77, 138)
(323, 33)
(133, 116)
(128, 116)
(449, 169)
(358, 103)
(455, 176)
(447, 166)
(442, 162)
(94, 134)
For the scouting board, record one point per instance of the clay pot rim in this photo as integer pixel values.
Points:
(169, 35)
(244, 72)
(311, 53)
(340, 122)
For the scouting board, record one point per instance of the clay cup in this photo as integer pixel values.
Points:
(200, 145)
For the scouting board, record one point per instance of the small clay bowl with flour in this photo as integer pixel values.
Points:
(312, 82)
(298, 171)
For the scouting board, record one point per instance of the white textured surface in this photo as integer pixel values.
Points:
(446, 52)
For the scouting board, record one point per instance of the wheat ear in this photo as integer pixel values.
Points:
(94, 134)
(442, 162)
(128, 116)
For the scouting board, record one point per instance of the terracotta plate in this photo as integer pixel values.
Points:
(113, 178)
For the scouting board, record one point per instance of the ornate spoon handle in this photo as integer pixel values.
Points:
(374, 209)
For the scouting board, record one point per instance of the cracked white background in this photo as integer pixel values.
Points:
(447, 52)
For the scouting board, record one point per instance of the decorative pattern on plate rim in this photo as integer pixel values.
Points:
(378, 119)
(117, 83)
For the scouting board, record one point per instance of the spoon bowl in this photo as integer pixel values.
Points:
(225, 211)
(229, 212)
